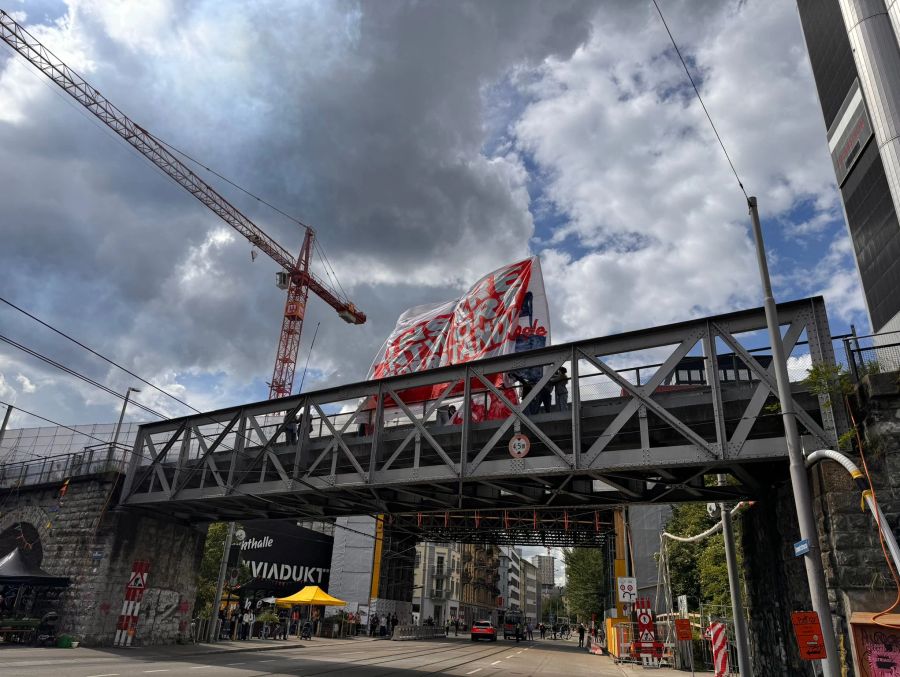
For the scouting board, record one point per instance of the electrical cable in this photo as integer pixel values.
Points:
(700, 98)
(891, 568)
(95, 353)
(76, 374)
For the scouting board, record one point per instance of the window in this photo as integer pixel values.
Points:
(418, 559)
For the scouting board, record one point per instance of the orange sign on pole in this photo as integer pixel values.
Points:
(809, 635)
(683, 632)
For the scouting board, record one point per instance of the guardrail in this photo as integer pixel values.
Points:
(57, 468)
(404, 632)
(873, 354)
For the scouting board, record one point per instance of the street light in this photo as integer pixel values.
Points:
(115, 438)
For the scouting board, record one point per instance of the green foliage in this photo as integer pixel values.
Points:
(585, 582)
(267, 617)
(698, 570)
(830, 380)
(208, 574)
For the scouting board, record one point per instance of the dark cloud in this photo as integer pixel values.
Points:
(364, 119)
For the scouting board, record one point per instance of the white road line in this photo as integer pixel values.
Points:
(271, 660)
(149, 671)
(474, 671)
(495, 662)
(108, 674)
(241, 663)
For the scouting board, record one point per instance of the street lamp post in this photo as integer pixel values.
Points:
(815, 573)
(115, 437)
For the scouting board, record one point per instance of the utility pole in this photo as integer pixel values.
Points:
(217, 602)
(741, 638)
(815, 574)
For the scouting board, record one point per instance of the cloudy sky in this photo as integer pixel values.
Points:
(427, 142)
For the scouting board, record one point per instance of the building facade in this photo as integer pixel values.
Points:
(531, 591)
(511, 582)
(480, 577)
(855, 59)
(437, 583)
(546, 566)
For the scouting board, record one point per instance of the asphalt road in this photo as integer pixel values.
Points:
(354, 658)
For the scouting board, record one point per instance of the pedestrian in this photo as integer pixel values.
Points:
(290, 428)
(251, 619)
(456, 626)
(560, 389)
(545, 398)
(530, 628)
(394, 623)
(581, 634)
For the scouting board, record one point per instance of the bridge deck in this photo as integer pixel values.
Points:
(628, 435)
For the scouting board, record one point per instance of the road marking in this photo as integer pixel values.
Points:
(510, 655)
(108, 674)
(148, 671)
(495, 662)
(474, 671)
(271, 660)
(241, 663)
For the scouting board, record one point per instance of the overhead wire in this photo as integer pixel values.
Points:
(700, 98)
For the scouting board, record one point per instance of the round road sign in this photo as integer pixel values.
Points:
(519, 446)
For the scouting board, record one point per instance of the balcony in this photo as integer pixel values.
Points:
(439, 594)
(439, 571)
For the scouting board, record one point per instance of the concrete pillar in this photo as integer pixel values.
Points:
(877, 56)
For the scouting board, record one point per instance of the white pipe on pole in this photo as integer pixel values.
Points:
(863, 484)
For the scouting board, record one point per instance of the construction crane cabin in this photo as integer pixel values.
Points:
(295, 275)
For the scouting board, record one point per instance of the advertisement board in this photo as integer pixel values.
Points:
(281, 557)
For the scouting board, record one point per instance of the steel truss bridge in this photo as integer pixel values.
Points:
(654, 415)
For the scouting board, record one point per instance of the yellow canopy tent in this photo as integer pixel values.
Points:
(311, 594)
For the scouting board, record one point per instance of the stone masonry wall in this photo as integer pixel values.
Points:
(98, 558)
(857, 575)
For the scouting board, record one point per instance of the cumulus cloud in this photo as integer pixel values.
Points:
(427, 142)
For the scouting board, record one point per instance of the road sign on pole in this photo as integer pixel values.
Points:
(627, 589)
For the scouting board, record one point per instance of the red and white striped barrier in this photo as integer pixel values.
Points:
(718, 637)
(131, 606)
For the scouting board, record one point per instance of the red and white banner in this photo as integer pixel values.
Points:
(131, 606)
(504, 312)
(718, 637)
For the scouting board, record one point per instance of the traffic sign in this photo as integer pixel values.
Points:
(627, 589)
(683, 632)
(801, 547)
(138, 580)
(519, 446)
(809, 635)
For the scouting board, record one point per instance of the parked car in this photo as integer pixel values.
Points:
(484, 630)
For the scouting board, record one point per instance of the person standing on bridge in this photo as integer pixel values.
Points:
(560, 389)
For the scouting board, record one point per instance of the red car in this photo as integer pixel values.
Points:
(484, 630)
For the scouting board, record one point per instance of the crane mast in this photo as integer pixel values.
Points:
(295, 276)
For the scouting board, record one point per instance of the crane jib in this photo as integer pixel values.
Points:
(302, 279)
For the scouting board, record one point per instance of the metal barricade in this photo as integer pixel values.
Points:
(404, 632)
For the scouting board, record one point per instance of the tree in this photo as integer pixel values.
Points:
(208, 574)
(586, 592)
(698, 570)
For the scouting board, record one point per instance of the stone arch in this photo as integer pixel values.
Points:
(30, 515)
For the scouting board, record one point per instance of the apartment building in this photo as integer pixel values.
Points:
(437, 582)
(480, 577)
(531, 591)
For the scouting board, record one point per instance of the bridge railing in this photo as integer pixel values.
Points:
(684, 398)
(98, 459)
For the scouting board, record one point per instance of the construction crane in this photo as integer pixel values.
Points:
(295, 275)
